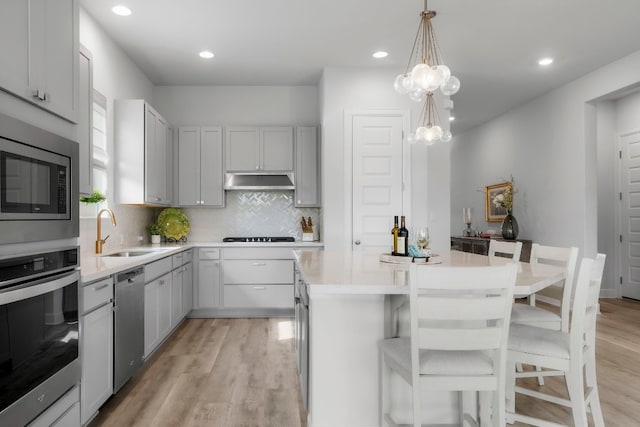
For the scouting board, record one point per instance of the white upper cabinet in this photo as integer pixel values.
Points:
(39, 41)
(200, 175)
(259, 149)
(307, 167)
(141, 154)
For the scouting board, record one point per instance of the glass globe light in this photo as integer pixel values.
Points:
(417, 94)
(411, 139)
(399, 86)
(407, 82)
(451, 86)
(424, 77)
(421, 133)
(444, 72)
(433, 133)
(429, 143)
(446, 136)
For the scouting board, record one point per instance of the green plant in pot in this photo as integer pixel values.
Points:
(155, 231)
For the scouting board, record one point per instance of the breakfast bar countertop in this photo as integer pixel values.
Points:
(362, 272)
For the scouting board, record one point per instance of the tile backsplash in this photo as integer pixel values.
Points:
(251, 213)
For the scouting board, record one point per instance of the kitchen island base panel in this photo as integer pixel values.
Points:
(214, 313)
(344, 366)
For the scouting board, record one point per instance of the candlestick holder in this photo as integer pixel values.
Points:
(467, 216)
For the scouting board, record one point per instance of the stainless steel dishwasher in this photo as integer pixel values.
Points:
(129, 326)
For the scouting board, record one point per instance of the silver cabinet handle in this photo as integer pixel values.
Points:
(162, 282)
(259, 264)
(98, 288)
(259, 288)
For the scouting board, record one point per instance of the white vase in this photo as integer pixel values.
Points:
(155, 239)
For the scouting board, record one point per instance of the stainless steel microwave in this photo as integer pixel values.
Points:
(38, 184)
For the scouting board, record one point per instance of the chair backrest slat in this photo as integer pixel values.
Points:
(505, 249)
(473, 307)
(460, 338)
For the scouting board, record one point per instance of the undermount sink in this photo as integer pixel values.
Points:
(125, 254)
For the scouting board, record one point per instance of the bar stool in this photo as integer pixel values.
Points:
(459, 326)
(566, 352)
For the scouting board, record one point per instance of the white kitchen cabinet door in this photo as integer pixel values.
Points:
(263, 149)
(157, 312)
(211, 173)
(141, 154)
(307, 168)
(276, 145)
(200, 175)
(169, 170)
(39, 41)
(208, 283)
(97, 360)
(85, 121)
(176, 296)
(242, 149)
(187, 289)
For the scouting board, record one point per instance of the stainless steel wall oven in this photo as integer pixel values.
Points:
(38, 184)
(38, 332)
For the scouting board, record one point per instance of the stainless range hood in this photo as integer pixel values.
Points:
(259, 181)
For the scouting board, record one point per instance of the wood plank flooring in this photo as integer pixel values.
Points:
(216, 373)
(242, 373)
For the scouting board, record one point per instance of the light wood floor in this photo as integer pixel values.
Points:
(242, 372)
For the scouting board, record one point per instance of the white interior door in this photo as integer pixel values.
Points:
(378, 176)
(630, 214)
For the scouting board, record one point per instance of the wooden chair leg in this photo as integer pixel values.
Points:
(592, 383)
(511, 388)
(575, 385)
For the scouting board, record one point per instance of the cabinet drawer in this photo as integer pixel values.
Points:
(157, 268)
(209, 253)
(187, 256)
(258, 253)
(260, 296)
(177, 260)
(263, 271)
(97, 293)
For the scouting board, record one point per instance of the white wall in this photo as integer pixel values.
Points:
(363, 89)
(549, 145)
(115, 76)
(237, 105)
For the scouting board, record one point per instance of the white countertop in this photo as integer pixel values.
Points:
(94, 267)
(362, 272)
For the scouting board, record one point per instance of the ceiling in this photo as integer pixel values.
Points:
(492, 45)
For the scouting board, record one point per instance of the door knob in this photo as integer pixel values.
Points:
(357, 242)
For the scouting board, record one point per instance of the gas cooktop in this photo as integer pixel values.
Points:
(276, 239)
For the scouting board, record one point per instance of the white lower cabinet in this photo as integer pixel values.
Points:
(258, 296)
(187, 289)
(157, 312)
(176, 296)
(208, 278)
(97, 360)
(97, 346)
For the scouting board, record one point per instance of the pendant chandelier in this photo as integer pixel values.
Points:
(426, 73)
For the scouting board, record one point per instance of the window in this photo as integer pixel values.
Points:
(100, 152)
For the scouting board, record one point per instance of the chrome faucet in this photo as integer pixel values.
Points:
(99, 240)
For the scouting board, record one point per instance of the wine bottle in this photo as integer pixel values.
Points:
(394, 233)
(403, 239)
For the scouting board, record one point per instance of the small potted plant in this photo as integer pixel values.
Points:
(154, 230)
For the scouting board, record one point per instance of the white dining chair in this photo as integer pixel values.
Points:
(567, 352)
(505, 249)
(459, 319)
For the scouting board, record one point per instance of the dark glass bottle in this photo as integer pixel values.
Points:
(394, 233)
(403, 239)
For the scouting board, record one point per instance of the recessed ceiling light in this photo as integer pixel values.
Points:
(380, 54)
(452, 118)
(206, 54)
(121, 10)
(545, 61)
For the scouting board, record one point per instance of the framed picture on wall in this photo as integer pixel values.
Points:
(494, 211)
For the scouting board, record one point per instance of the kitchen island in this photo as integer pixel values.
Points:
(354, 302)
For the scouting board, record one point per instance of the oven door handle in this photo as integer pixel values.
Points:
(39, 287)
